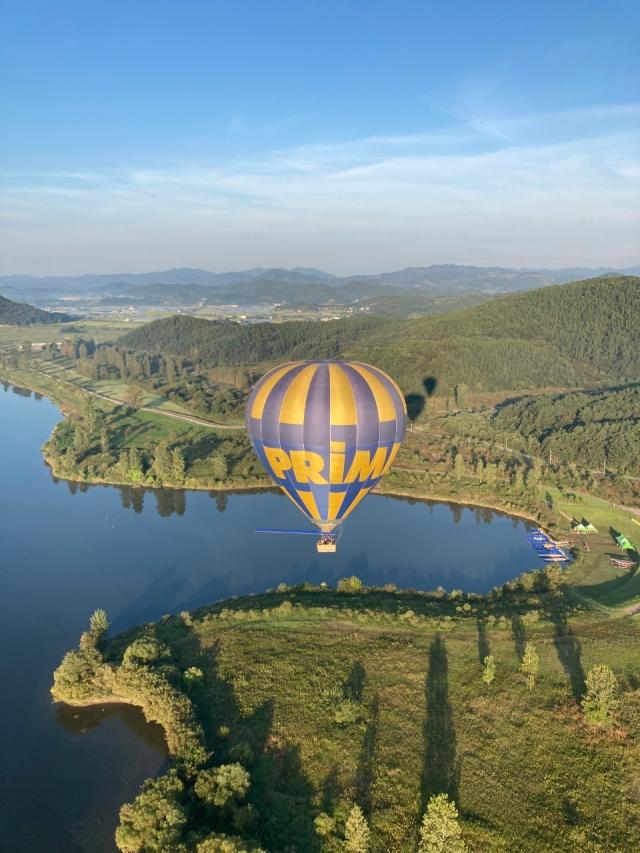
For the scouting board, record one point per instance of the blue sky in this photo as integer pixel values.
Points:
(354, 136)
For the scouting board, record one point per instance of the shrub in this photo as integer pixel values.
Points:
(221, 843)
(440, 830)
(193, 676)
(154, 821)
(145, 650)
(324, 825)
(601, 696)
(352, 584)
(219, 786)
(489, 670)
(348, 711)
(242, 753)
(79, 675)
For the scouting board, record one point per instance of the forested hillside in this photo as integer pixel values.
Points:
(580, 334)
(592, 429)
(222, 342)
(566, 335)
(20, 314)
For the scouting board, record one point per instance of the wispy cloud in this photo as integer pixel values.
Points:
(549, 188)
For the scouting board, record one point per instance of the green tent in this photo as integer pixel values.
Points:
(624, 543)
(589, 528)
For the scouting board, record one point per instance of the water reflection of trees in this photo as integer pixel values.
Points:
(79, 721)
(168, 502)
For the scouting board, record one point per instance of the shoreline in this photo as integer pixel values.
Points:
(257, 485)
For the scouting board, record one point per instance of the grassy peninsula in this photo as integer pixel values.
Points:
(289, 712)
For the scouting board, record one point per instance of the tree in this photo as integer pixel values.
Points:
(134, 464)
(601, 696)
(162, 463)
(461, 394)
(98, 624)
(134, 397)
(177, 464)
(219, 842)
(154, 821)
(104, 441)
(440, 831)
(80, 438)
(458, 465)
(357, 835)
(324, 825)
(218, 467)
(530, 665)
(77, 675)
(517, 481)
(490, 473)
(489, 670)
(219, 786)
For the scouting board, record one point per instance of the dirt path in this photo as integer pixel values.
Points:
(191, 419)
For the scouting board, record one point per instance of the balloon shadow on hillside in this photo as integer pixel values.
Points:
(416, 402)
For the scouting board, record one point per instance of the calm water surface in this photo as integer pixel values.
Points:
(65, 550)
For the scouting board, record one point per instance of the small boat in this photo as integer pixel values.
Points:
(623, 564)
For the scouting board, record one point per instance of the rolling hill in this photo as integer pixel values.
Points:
(575, 335)
(20, 314)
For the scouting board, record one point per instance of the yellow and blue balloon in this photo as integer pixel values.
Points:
(326, 431)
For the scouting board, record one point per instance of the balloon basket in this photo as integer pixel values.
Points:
(326, 544)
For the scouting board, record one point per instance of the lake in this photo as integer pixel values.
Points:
(67, 549)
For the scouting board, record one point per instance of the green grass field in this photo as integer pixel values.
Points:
(525, 770)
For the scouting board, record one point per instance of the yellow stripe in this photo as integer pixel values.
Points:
(384, 402)
(295, 398)
(343, 404)
(395, 385)
(266, 387)
(335, 502)
(309, 501)
(361, 495)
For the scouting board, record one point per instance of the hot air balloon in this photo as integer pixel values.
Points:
(326, 432)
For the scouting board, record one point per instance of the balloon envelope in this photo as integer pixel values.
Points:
(326, 431)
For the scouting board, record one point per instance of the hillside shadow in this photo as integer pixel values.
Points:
(365, 773)
(153, 599)
(440, 770)
(569, 652)
(483, 641)
(280, 791)
(330, 791)
(616, 591)
(353, 687)
(519, 635)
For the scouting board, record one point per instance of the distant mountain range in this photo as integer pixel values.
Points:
(19, 314)
(436, 278)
